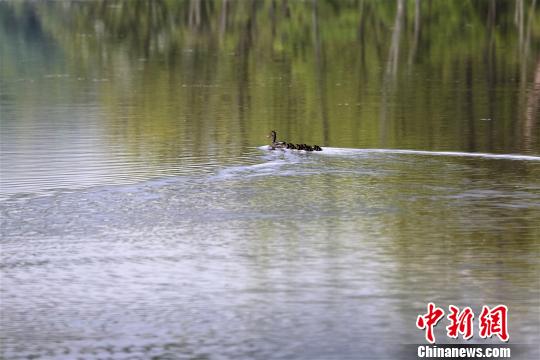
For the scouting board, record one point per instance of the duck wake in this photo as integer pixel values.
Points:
(351, 151)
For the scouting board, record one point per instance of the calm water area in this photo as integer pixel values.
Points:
(143, 216)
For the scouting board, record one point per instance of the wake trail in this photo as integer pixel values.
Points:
(352, 151)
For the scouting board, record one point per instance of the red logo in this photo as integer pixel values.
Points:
(429, 320)
(460, 322)
(491, 322)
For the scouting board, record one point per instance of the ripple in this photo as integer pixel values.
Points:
(273, 245)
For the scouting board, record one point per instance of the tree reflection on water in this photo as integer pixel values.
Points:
(406, 74)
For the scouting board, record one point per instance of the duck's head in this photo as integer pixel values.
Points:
(272, 135)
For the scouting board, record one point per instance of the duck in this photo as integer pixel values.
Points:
(285, 145)
(276, 144)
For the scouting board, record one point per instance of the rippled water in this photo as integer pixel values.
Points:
(290, 255)
(142, 215)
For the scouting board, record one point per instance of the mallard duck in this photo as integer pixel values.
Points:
(285, 145)
(276, 144)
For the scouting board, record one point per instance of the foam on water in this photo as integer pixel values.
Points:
(351, 151)
(251, 170)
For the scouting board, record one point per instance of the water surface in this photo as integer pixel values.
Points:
(143, 216)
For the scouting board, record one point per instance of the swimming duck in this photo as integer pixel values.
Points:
(276, 144)
(285, 145)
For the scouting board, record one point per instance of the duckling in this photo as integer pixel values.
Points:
(317, 148)
(291, 146)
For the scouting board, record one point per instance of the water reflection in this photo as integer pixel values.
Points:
(194, 79)
(355, 74)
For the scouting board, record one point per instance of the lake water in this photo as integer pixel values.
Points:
(143, 216)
